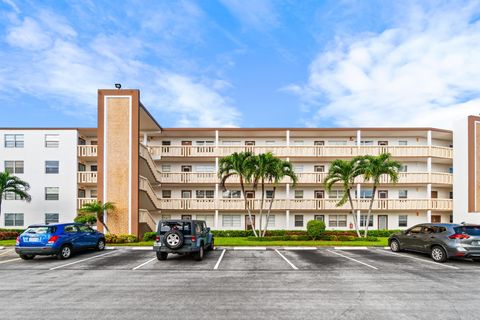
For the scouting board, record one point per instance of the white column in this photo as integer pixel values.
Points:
(216, 191)
(216, 165)
(429, 216)
(216, 138)
(287, 220)
(429, 138)
(358, 219)
(215, 219)
(145, 138)
(288, 138)
(359, 137)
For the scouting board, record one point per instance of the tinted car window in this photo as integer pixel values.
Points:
(198, 228)
(184, 227)
(428, 230)
(415, 230)
(41, 230)
(470, 230)
(439, 229)
(85, 229)
(70, 229)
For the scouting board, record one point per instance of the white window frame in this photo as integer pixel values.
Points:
(14, 140)
(400, 220)
(52, 140)
(16, 219)
(49, 166)
(47, 189)
(231, 221)
(49, 220)
(15, 166)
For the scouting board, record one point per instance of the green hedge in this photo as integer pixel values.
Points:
(19, 231)
(120, 238)
(281, 238)
(149, 236)
(278, 233)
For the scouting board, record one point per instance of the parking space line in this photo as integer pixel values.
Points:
(9, 260)
(288, 261)
(219, 259)
(420, 259)
(350, 258)
(145, 263)
(8, 251)
(83, 260)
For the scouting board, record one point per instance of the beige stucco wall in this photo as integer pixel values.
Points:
(477, 165)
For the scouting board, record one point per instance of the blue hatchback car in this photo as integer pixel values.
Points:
(60, 239)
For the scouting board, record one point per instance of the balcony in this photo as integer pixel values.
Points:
(307, 204)
(303, 151)
(306, 178)
(87, 177)
(87, 151)
(83, 201)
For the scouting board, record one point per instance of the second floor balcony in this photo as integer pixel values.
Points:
(87, 151)
(87, 177)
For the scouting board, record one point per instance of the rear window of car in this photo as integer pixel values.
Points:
(184, 227)
(470, 230)
(41, 230)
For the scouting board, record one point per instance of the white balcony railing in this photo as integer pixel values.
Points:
(87, 177)
(82, 201)
(87, 151)
(302, 151)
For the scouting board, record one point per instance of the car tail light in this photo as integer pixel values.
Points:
(459, 236)
(194, 238)
(18, 241)
(52, 239)
(157, 238)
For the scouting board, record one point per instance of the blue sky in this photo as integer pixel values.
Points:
(248, 63)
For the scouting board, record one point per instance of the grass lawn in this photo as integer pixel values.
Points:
(237, 241)
(4, 243)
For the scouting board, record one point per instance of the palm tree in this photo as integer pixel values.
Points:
(344, 172)
(276, 171)
(96, 207)
(15, 185)
(373, 168)
(242, 165)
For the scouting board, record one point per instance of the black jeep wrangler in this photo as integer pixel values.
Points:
(183, 237)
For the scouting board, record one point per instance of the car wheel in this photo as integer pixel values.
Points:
(438, 254)
(65, 252)
(100, 245)
(199, 254)
(395, 245)
(162, 255)
(27, 256)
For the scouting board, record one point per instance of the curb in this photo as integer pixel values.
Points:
(2, 248)
(130, 248)
(350, 248)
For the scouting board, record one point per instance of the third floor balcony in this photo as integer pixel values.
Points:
(87, 151)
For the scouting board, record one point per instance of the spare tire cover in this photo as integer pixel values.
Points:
(173, 239)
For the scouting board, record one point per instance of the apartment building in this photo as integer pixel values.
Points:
(48, 159)
(154, 173)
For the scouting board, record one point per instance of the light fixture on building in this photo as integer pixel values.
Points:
(118, 86)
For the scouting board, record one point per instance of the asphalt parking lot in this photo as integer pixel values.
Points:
(278, 283)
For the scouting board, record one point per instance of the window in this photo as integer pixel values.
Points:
(205, 194)
(166, 143)
(166, 168)
(402, 142)
(271, 221)
(402, 220)
(81, 141)
(270, 142)
(402, 194)
(319, 143)
(366, 142)
(11, 196)
(13, 219)
(51, 166)
(70, 229)
(93, 193)
(94, 142)
(186, 194)
(14, 166)
(298, 142)
(320, 168)
(85, 229)
(14, 141)
(298, 194)
(51, 193)
(94, 168)
(166, 194)
(165, 217)
(403, 168)
(337, 220)
(186, 217)
(364, 194)
(337, 142)
(186, 168)
(299, 220)
(205, 143)
(51, 217)
(231, 221)
(207, 218)
(298, 168)
(363, 219)
(231, 143)
(416, 230)
(450, 169)
(319, 217)
(319, 194)
(269, 194)
(52, 140)
(82, 167)
(81, 193)
(450, 195)
(232, 194)
(205, 168)
(335, 194)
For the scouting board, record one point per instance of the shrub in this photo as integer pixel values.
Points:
(19, 231)
(346, 238)
(149, 236)
(8, 235)
(249, 233)
(120, 238)
(86, 218)
(315, 228)
(381, 233)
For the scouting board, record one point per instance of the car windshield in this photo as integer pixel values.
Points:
(40, 230)
(470, 230)
(184, 227)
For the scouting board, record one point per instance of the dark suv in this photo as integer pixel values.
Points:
(183, 237)
(441, 241)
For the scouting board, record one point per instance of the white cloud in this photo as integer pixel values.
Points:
(49, 63)
(425, 71)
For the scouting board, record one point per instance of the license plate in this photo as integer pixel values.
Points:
(32, 239)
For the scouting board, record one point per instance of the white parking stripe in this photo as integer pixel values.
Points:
(291, 264)
(9, 260)
(83, 260)
(350, 258)
(420, 259)
(8, 251)
(219, 260)
(146, 262)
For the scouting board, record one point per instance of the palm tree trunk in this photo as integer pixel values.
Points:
(261, 208)
(370, 210)
(248, 207)
(100, 218)
(268, 212)
(353, 213)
